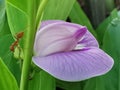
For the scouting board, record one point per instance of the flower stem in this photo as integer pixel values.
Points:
(40, 11)
(29, 42)
(28, 48)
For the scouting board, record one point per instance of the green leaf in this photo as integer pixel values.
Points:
(111, 44)
(103, 26)
(101, 30)
(58, 9)
(110, 5)
(96, 11)
(40, 11)
(78, 16)
(95, 83)
(2, 13)
(70, 85)
(7, 80)
(17, 19)
(42, 81)
(22, 5)
(8, 57)
(4, 28)
(5, 42)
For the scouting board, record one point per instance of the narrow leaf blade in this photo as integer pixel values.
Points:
(58, 9)
(7, 80)
(78, 16)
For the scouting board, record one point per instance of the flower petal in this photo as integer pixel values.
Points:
(88, 39)
(58, 37)
(48, 22)
(76, 65)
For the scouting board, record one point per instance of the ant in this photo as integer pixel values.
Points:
(14, 44)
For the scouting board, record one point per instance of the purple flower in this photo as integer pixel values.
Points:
(69, 52)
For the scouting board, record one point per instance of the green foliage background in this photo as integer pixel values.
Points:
(103, 23)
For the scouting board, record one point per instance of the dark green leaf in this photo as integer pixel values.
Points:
(8, 57)
(96, 11)
(95, 83)
(5, 42)
(103, 26)
(101, 29)
(110, 5)
(77, 15)
(111, 44)
(70, 85)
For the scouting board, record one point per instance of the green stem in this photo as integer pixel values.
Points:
(40, 11)
(29, 42)
(28, 47)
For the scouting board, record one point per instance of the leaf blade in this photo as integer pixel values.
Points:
(53, 9)
(7, 80)
(78, 16)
